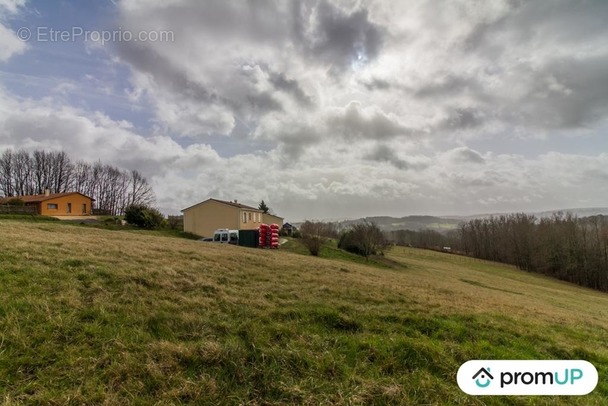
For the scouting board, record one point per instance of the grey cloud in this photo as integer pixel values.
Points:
(527, 21)
(463, 118)
(449, 85)
(20, 128)
(467, 181)
(466, 155)
(352, 123)
(244, 102)
(595, 174)
(292, 87)
(255, 20)
(164, 71)
(561, 94)
(383, 153)
(260, 102)
(378, 84)
(293, 145)
(343, 39)
(568, 93)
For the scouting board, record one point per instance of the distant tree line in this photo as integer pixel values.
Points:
(428, 239)
(23, 173)
(562, 246)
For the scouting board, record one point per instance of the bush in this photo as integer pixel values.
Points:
(143, 216)
(15, 201)
(348, 243)
(313, 236)
(175, 222)
(364, 239)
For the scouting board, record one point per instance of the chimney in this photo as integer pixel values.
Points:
(235, 201)
(47, 192)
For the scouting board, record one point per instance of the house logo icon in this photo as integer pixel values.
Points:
(484, 375)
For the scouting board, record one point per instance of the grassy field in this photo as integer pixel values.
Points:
(93, 316)
(330, 250)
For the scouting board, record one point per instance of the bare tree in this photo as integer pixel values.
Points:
(22, 174)
(61, 172)
(112, 188)
(141, 192)
(81, 178)
(313, 236)
(6, 173)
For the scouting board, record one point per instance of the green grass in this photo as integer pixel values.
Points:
(26, 217)
(104, 223)
(93, 316)
(331, 251)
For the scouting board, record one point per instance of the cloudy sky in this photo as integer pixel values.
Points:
(324, 109)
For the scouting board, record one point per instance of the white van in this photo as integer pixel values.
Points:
(225, 236)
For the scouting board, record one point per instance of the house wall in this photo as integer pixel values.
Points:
(270, 219)
(76, 200)
(206, 217)
(250, 219)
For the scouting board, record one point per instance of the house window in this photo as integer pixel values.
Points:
(249, 216)
(257, 217)
(84, 208)
(244, 217)
(52, 206)
(69, 209)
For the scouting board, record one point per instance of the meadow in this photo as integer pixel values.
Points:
(94, 316)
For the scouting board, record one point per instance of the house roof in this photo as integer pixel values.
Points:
(233, 204)
(273, 215)
(42, 198)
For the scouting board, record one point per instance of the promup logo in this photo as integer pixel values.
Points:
(485, 376)
(574, 377)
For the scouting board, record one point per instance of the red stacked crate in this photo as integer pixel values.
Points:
(264, 234)
(274, 236)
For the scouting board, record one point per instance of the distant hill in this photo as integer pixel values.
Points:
(414, 223)
(447, 223)
(579, 212)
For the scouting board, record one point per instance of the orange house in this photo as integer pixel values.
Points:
(59, 204)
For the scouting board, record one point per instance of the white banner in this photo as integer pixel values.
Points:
(504, 377)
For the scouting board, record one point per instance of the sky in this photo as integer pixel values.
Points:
(327, 109)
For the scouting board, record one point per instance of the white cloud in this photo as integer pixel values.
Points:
(10, 44)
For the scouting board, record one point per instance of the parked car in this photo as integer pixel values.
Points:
(226, 236)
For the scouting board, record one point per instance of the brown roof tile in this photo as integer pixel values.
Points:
(233, 204)
(41, 198)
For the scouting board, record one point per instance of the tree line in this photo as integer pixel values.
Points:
(23, 173)
(562, 246)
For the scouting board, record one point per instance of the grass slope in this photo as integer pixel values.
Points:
(330, 250)
(107, 317)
